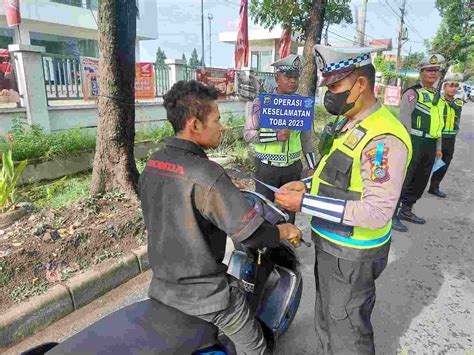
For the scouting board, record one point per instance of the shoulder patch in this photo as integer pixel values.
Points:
(459, 102)
(411, 96)
(378, 163)
(355, 137)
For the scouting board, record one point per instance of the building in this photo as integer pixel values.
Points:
(69, 26)
(263, 47)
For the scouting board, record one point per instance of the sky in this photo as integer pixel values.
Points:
(179, 27)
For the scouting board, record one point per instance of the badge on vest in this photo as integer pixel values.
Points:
(355, 137)
(426, 97)
(379, 163)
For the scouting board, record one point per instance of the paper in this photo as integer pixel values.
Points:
(270, 187)
(438, 164)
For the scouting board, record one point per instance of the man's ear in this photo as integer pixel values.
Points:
(194, 125)
(364, 83)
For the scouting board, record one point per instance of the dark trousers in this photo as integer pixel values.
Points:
(276, 176)
(419, 170)
(448, 152)
(345, 298)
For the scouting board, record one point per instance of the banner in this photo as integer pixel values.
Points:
(12, 10)
(242, 44)
(392, 95)
(223, 79)
(286, 111)
(284, 46)
(249, 85)
(90, 77)
(144, 81)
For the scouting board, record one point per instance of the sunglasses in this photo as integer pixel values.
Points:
(432, 70)
(453, 85)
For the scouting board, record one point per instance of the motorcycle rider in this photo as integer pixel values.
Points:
(190, 205)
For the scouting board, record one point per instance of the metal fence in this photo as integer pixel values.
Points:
(162, 79)
(62, 76)
(189, 73)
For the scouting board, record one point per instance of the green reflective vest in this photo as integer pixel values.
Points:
(427, 119)
(338, 176)
(452, 116)
(281, 152)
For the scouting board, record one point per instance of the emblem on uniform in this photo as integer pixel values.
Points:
(308, 103)
(379, 163)
(320, 62)
(267, 100)
(297, 63)
(434, 60)
(355, 137)
(426, 97)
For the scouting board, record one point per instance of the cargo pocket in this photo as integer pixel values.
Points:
(359, 315)
(337, 170)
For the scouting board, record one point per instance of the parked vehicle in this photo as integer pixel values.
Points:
(274, 288)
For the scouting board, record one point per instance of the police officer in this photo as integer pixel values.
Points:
(351, 199)
(424, 121)
(452, 116)
(278, 152)
(189, 205)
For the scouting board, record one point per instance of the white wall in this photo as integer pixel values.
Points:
(44, 16)
(64, 117)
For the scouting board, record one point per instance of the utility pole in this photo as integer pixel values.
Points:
(361, 16)
(202, 33)
(210, 17)
(400, 39)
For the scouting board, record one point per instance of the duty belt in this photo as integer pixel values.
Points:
(417, 132)
(276, 163)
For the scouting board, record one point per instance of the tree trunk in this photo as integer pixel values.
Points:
(114, 163)
(313, 31)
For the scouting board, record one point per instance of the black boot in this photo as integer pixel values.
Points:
(437, 192)
(398, 225)
(406, 214)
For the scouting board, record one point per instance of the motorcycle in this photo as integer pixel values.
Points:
(270, 277)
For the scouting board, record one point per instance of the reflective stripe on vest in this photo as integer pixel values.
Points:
(426, 117)
(288, 152)
(338, 176)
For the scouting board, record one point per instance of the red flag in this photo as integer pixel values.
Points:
(242, 43)
(12, 10)
(285, 43)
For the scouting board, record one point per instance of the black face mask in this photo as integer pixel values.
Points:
(336, 104)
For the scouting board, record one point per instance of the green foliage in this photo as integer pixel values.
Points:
(8, 180)
(184, 58)
(411, 61)
(385, 68)
(32, 142)
(156, 133)
(160, 57)
(296, 14)
(455, 36)
(66, 191)
(28, 290)
(194, 61)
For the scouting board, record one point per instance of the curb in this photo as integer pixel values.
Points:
(62, 299)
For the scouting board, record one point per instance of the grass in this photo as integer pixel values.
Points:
(72, 189)
(28, 290)
(33, 143)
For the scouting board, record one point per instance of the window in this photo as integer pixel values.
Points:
(86, 4)
(261, 60)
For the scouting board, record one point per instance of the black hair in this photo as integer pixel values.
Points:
(368, 72)
(186, 99)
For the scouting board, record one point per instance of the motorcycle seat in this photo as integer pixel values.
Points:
(146, 327)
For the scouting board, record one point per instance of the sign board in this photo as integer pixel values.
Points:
(392, 95)
(89, 74)
(223, 79)
(286, 111)
(144, 81)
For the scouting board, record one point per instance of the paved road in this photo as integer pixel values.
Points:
(424, 297)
